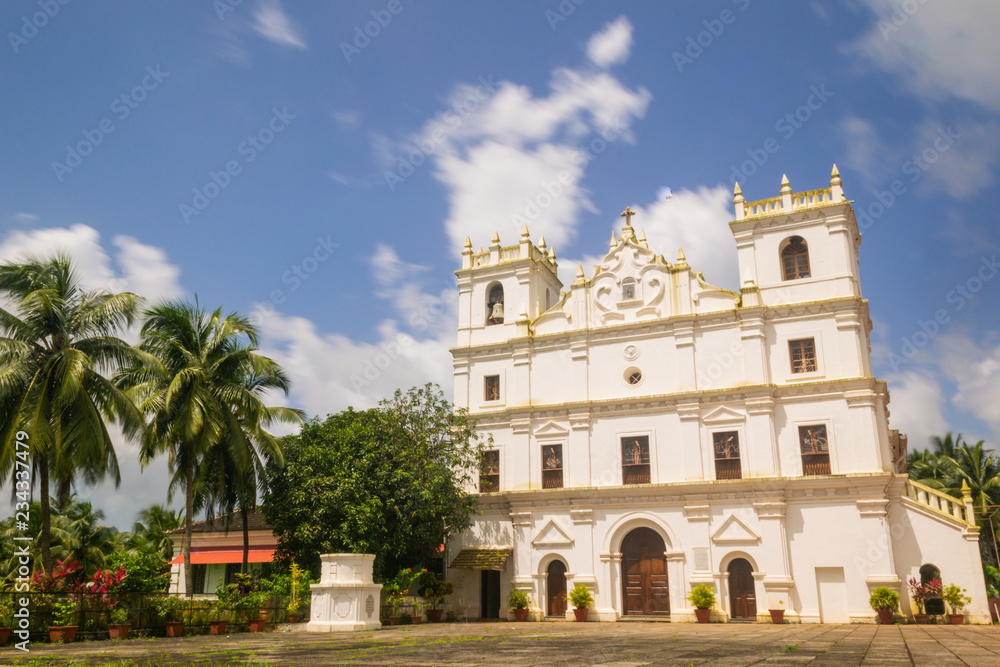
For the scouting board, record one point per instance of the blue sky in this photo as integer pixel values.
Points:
(320, 164)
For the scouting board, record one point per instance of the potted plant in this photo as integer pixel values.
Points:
(703, 598)
(778, 615)
(219, 613)
(293, 610)
(956, 599)
(582, 599)
(920, 592)
(519, 601)
(884, 600)
(434, 590)
(119, 626)
(63, 613)
(6, 613)
(169, 608)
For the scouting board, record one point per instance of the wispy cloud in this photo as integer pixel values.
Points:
(611, 46)
(25, 218)
(271, 22)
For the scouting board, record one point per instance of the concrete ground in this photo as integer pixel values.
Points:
(554, 644)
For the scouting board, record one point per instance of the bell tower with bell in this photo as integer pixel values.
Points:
(501, 291)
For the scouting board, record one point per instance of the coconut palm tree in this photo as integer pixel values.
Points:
(56, 343)
(202, 387)
(151, 527)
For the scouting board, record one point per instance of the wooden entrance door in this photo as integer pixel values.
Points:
(644, 574)
(742, 597)
(556, 588)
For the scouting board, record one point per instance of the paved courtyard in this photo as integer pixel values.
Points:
(552, 644)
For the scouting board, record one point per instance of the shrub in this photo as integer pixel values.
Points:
(169, 608)
(580, 597)
(518, 599)
(955, 597)
(64, 612)
(119, 615)
(433, 589)
(702, 597)
(884, 598)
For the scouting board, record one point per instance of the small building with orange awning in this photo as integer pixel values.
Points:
(217, 552)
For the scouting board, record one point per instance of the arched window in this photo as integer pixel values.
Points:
(628, 289)
(795, 259)
(494, 305)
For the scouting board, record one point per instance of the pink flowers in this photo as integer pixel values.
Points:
(922, 591)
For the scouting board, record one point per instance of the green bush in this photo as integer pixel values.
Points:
(883, 598)
(169, 608)
(518, 599)
(64, 612)
(955, 597)
(702, 596)
(580, 597)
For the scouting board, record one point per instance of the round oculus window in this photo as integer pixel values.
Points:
(633, 376)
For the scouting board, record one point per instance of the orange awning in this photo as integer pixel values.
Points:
(228, 556)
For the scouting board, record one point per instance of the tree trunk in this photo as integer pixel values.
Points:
(188, 523)
(45, 539)
(246, 539)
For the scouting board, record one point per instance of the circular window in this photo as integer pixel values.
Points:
(633, 376)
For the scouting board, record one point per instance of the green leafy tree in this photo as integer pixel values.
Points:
(391, 481)
(57, 342)
(147, 571)
(151, 527)
(202, 385)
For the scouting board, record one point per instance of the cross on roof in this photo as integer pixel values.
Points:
(627, 214)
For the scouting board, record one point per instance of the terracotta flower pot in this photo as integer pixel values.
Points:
(394, 620)
(417, 620)
(581, 614)
(921, 619)
(294, 618)
(520, 615)
(702, 615)
(174, 628)
(777, 616)
(258, 625)
(62, 633)
(118, 630)
(956, 619)
(884, 616)
(4, 635)
(434, 615)
(217, 627)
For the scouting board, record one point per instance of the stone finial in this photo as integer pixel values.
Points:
(642, 235)
(524, 233)
(680, 255)
(480, 249)
(552, 254)
(738, 194)
(836, 187)
(468, 244)
(579, 271)
(614, 241)
(835, 175)
(541, 244)
(495, 240)
(786, 187)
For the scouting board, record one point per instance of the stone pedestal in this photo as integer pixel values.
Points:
(346, 597)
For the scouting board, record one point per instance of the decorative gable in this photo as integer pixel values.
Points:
(735, 530)
(723, 415)
(550, 429)
(552, 535)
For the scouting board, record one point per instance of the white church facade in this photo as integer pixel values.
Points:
(651, 432)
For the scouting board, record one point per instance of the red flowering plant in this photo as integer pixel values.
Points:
(59, 580)
(396, 590)
(922, 591)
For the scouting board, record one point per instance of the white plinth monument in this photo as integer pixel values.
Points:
(346, 597)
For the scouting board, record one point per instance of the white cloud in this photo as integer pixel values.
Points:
(866, 152)
(611, 46)
(508, 158)
(943, 49)
(915, 407)
(347, 118)
(975, 370)
(271, 22)
(966, 167)
(25, 218)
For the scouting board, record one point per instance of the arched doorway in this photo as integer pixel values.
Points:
(644, 574)
(742, 597)
(555, 587)
(935, 603)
